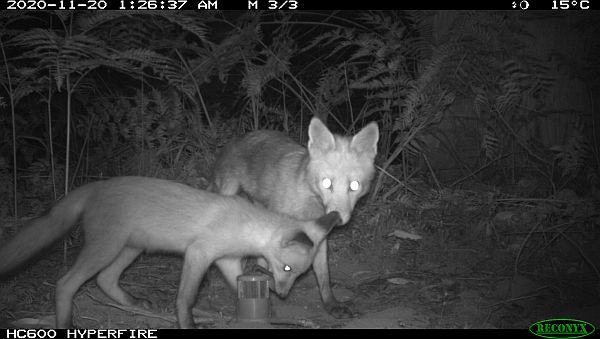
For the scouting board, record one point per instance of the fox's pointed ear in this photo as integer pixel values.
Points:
(329, 221)
(365, 141)
(319, 137)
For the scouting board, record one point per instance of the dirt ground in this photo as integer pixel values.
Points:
(444, 259)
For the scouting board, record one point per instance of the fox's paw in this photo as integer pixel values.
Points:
(341, 310)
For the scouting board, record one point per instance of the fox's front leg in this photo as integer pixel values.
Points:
(334, 307)
(195, 264)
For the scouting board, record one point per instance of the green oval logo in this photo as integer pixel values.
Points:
(562, 328)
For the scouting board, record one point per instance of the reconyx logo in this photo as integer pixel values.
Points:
(562, 328)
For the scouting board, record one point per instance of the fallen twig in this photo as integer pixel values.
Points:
(294, 322)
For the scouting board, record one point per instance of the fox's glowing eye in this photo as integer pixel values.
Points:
(354, 185)
(326, 183)
(287, 268)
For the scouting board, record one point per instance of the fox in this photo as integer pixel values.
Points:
(331, 174)
(125, 216)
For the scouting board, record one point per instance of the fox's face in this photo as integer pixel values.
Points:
(341, 168)
(296, 249)
(291, 262)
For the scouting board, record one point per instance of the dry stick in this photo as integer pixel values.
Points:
(551, 201)
(285, 111)
(595, 148)
(83, 148)
(67, 151)
(547, 230)
(399, 185)
(294, 322)
(301, 124)
(68, 146)
(255, 113)
(391, 191)
(70, 88)
(396, 180)
(523, 297)
(50, 138)
(432, 172)
(523, 246)
(405, 168)
(582, 254)
(522, 143)
(348, 97)
(500, 157)
(141, 160)
(14, 131)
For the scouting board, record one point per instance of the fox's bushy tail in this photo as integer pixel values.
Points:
(43, 231)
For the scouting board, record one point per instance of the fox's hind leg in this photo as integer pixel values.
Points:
(108, 279)
(93, 257)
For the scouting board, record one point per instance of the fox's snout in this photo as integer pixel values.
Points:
(344, 214)
(283, 294)
(282, 290)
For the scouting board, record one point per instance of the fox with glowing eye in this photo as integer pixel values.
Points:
(125, 216)
(331, 174)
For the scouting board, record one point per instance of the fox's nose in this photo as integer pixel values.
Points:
(282, 292)
(344, 216)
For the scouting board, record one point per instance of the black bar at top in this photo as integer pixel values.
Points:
(152, 5)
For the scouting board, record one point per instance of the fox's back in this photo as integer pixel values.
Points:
(271, 168)
(162, 215)
(257, 150)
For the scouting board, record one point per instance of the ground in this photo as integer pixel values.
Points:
(429, 259)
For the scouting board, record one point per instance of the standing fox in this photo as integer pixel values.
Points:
(124, 216)
(331, 175)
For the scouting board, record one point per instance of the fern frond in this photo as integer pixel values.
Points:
(572, 157)
(163, 66)
(90, 20)
(340, 38)
(193, 24)
(61, 55)
(490, 143)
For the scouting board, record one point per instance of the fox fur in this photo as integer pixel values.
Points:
(124, 216)
(331, 174)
